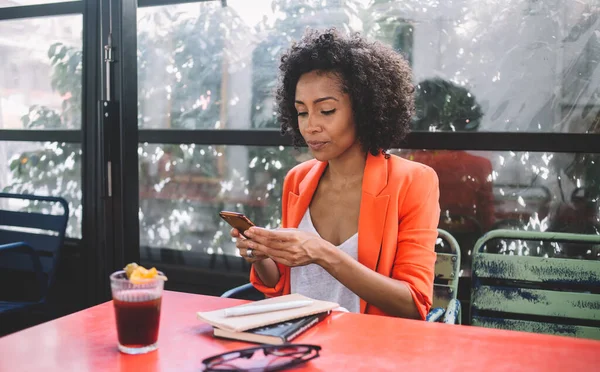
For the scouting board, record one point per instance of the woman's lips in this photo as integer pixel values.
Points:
(316, 145)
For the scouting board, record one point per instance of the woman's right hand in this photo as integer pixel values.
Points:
(242, 245)
(265, 267)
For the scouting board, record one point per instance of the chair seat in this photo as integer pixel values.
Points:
(6, 307)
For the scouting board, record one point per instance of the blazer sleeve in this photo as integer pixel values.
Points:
(279, 289)
(284, 271)
(419, 215)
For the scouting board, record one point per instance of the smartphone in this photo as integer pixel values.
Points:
(237, 220)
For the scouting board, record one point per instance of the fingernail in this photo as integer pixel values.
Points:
(251, 245)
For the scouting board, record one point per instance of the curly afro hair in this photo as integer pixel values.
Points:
(377, 79)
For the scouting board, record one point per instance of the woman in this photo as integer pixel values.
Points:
(359, 225)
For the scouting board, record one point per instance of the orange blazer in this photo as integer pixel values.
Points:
(397, 225)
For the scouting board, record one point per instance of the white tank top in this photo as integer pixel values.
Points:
(315, 282)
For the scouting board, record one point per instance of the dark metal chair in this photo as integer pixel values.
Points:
(31, 241)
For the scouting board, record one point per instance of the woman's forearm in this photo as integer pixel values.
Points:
(267, 271)
(390, 295)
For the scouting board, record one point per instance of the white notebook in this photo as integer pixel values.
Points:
(218, 319)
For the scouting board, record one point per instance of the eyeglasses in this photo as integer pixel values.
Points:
(266, 358)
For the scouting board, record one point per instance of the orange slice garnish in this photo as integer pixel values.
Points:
(138, 274)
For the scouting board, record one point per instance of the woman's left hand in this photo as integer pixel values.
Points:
(291, 247)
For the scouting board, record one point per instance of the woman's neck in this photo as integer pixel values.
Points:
(348, 167)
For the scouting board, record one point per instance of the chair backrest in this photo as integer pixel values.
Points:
(44, 231)
(447, 269)
(536, 294)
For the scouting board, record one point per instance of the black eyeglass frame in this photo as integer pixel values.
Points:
(267, 350)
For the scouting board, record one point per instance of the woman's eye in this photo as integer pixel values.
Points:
(328, 112)
(302, 113)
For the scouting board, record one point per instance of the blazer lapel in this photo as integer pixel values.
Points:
(298, 203)
(373, 209)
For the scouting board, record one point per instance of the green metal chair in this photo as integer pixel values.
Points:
(536, 294)
(446, 308)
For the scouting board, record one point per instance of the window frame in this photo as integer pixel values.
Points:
(99, 257)
(555, 142)
(84, 136)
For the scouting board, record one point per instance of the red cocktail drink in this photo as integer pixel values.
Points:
(137, 312)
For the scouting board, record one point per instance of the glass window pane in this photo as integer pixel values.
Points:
(481, 191)
(9, 3)
(485, 65)
(44, 169)
(40, 73)
(525, 66)
(205, 66)
(183, 187)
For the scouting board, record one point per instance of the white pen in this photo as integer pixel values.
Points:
(257, 309)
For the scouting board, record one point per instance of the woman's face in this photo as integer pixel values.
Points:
(325, 116)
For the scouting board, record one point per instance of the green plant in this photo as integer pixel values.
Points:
(56, 168)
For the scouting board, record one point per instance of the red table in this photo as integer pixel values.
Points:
(86, 341)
